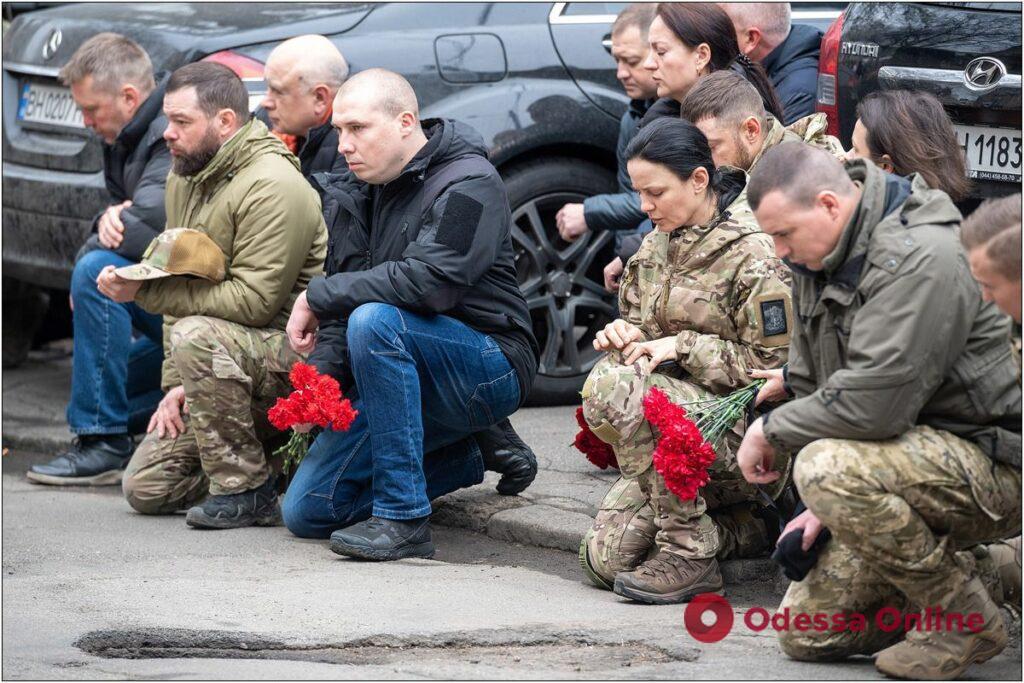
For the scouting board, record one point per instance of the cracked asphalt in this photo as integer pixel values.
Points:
(94, 591)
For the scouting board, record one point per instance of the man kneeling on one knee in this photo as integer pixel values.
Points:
(227, 359)
(421, 319)
(906, 417)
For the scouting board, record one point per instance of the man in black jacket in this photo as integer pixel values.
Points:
(115, 382)
(788, 52)
(303, 75)
(420, 317)
(619, 211)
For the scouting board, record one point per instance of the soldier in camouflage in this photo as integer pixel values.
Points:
(226, 355)
(905, 426)
(703, 303)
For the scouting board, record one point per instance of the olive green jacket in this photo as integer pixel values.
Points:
(252, 200)
(893, 332)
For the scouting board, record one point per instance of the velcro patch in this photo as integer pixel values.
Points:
(773, 316)
(459, 222)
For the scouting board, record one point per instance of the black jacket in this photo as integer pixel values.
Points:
(318, 153)
(619, 211)
(135, 167)
(453, 255)
(793, 68)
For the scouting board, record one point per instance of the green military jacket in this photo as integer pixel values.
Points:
(810, 129)
(893, 332)
(252, 200)
(720, 290)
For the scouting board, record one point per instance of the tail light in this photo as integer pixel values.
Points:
(246, 68)
(828, 74)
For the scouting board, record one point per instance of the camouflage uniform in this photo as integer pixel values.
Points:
(923, 495)
(232, 374)
(724, 295)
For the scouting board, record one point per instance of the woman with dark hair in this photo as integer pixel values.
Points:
(904, 132)
(690, 40)
(704, 301)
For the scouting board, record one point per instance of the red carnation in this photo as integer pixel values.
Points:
(597, 451)
(682, 456)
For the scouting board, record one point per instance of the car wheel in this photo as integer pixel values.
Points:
(562, 281)
(24, 309)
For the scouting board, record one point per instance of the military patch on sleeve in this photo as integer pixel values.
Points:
(459, 222)
(773, 317)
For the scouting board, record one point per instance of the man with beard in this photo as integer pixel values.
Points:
(115, 380)
(227, 357)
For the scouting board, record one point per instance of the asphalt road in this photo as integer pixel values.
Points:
(92, 590)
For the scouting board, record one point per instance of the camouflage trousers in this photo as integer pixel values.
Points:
(899, 512)
(639, 515)
(232, 374)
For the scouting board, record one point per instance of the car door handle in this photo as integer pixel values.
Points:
(606, 43)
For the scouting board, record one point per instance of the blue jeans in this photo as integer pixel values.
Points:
(425, 384)
(115, 379)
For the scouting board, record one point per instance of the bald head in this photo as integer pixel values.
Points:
(760, 26)
(384, 90)
(303, 75)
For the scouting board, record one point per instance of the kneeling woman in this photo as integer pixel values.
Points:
(703, 302)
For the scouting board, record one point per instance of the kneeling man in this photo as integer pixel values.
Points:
(906, 417)
(422, 311)
(227, 357)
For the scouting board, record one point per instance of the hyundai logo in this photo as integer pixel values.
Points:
(984, 73)
(52, 43)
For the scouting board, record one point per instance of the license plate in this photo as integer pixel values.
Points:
(48, 104)
(992, 153)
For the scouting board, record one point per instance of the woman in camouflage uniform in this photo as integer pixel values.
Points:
(703, 302)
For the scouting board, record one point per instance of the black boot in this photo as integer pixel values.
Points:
(385, 539)
(505, 452)
(255, 507)
(92, 460)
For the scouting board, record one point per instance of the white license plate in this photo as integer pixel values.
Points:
(49, 104)
(992, 153)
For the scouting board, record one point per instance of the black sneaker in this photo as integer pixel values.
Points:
(92, 460)
(255, 507)
(385, 539)
(505, 452)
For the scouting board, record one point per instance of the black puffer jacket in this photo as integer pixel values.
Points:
(391, 244)
(319, 152)
(135, 167)
(793, 69)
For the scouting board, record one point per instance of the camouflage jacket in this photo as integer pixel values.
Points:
(810, 129)
(720, 290)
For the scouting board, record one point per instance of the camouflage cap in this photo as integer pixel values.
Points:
(178, 251)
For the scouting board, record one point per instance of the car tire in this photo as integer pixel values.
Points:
(25, 308)
(563, 282)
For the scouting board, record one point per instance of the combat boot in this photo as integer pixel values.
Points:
(1005, 555)
(668, 579)
(383, 540)
(255, 507)
(504, 452)
(944, 655)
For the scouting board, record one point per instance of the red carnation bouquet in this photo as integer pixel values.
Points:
(597, 451)
(316, 400)
(688, 434)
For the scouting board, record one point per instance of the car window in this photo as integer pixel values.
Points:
(575, 9)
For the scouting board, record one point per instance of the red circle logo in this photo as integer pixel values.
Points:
(718, 606)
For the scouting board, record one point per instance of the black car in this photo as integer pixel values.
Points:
(968, 54)
(535, 79)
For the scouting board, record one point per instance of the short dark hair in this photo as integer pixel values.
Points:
(800, 172)
(723, 95)
(217, 87)
(995, 227)
(639, 15)
(917, 134)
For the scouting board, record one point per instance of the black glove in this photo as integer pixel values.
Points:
(789, 554)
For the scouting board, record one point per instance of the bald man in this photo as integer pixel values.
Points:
(303, 75)
(421, 319)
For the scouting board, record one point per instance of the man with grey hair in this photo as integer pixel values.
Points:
(788, 53)
(115, 381)
(905, 423)
(303, 75)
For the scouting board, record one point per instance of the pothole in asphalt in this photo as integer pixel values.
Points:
(565, 650)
